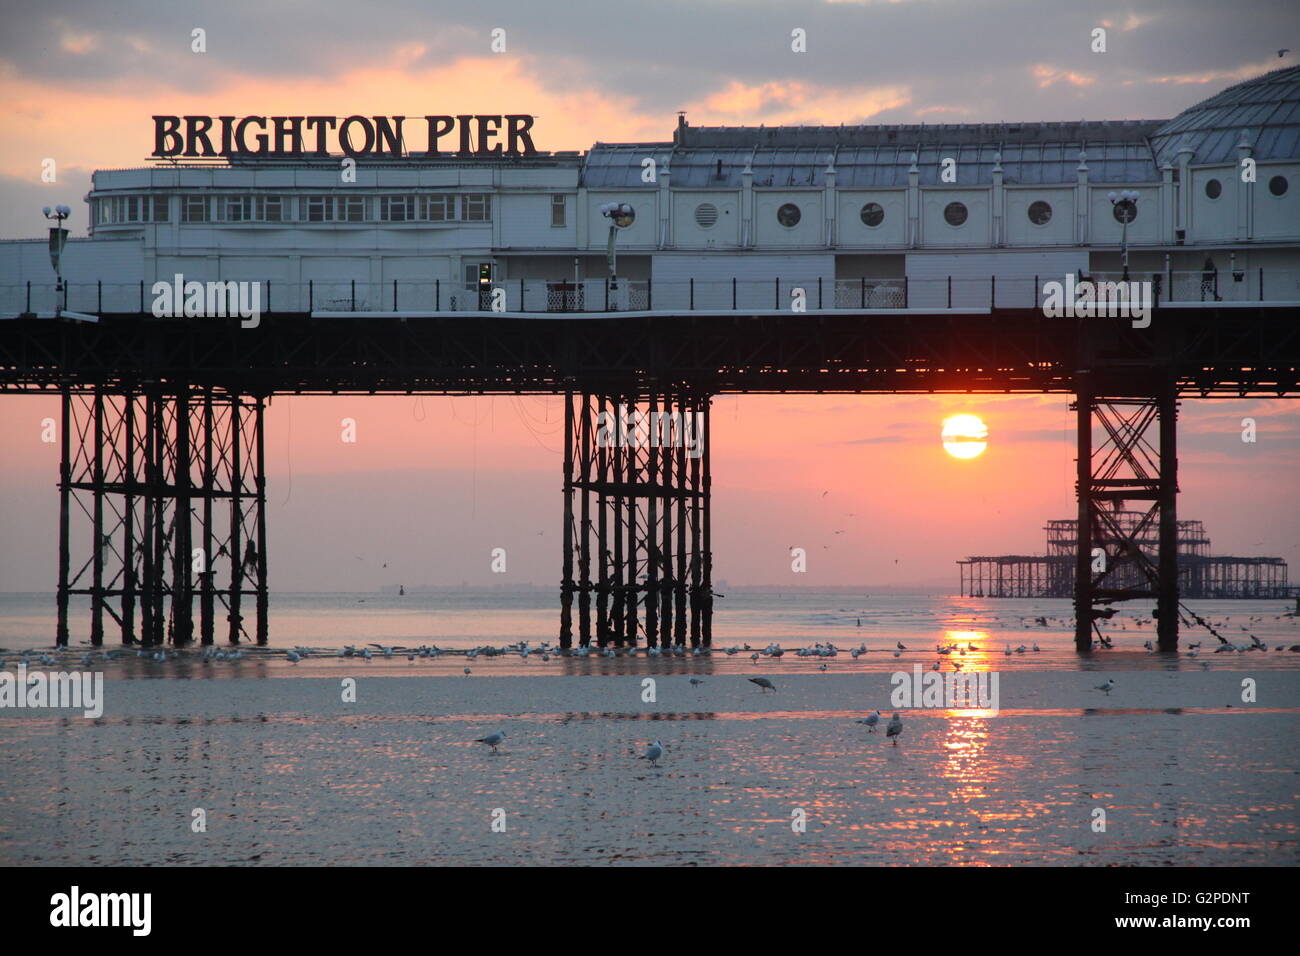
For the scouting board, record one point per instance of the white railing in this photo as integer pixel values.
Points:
(559, 296)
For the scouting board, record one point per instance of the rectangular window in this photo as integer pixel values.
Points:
(133, 208)
(271, 208)
(397, 208)
(557, 210)
(194, 209)
(352, 209)
(236, 208)
(476, 207)
(320, 208)
(160, 204)
(440, 207)
(105, 211)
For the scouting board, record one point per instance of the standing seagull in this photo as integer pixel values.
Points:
(870, 721)
(1107, 687)
(895, 728)
(653, 753)
(492, 740)
(764, 683)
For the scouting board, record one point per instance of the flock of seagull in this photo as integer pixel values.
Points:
(656, 749)
(524, 650)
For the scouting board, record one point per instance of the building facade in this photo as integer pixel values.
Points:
(724, 217)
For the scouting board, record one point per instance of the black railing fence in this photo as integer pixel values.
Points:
(780, 293)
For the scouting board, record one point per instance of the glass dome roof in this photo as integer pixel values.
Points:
(1266, 108)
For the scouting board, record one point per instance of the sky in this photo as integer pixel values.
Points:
(432, 485)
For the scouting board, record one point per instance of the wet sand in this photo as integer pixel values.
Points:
(288, 773)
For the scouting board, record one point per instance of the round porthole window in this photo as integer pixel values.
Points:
(1040, 213)
(873, 214)
(1277, 185)
(706, 214)
(954, 213)
(788, 214)
(1213, 189)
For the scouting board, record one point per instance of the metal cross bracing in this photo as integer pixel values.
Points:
(125, 482)
(636, 500)
(162, 491)
(1126, 464)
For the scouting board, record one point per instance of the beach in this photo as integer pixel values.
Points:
(287, 772)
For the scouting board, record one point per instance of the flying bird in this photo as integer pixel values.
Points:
(895, 728)
(764, 683)
(492, 740)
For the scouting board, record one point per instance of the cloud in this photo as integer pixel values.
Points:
(22, 197)
(878, 440)
(878, 62)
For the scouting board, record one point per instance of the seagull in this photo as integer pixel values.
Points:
(902, 646)
(1107, 687)
(467, 672)
(936, 665)
(696, 682)
(764, 683)
(653, 753)
(870, 720)
(293, 656)
(895, 728)
(1284, 52)
(492, 739)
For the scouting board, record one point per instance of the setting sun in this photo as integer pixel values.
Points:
(964, 436)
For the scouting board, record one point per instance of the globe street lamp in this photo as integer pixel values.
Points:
(1125, 209)
(58, 239)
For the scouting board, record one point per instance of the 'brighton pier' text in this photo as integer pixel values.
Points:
(290, 136)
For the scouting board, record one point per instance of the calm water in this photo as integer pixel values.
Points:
(470, 618)
(288, 773)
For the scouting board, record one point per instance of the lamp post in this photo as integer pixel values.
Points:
(621, 215)
(58, 239)
(1125, 206)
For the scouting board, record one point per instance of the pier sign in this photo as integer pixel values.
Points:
(301, 136)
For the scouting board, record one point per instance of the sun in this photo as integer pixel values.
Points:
(964, 436)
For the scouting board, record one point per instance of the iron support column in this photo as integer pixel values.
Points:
(1167, 589)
